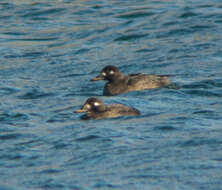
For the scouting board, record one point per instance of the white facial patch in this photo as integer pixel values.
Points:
(96, 104)
(111, 72)
(88, 106)
(103, 74)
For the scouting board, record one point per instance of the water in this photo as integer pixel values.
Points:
(49, 52)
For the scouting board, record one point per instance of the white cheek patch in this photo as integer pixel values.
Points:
(103, 74)
(87, 106)
(111, 72)
(96, 103)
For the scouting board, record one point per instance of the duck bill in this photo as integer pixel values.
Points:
(99, 77)
(80, 111)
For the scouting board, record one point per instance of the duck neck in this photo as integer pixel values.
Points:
(101, 108)
(117, 78)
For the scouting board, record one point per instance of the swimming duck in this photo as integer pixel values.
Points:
(95, 109)
(119, 83)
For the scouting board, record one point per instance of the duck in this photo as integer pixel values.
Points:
(96, 109)
(119, 83)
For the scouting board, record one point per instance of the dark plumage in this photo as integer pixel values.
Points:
(118, 83)
(95, 109)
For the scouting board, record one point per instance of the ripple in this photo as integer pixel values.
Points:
(179, 31)
(208, 114)
(72, 75)
(35, 94)
(188, 14)
(165, 128)
(130, 37)
(50, 171)
(87, 138)
(9, 90)
(218, 21)
(33, 54)
(105, 185)
(12, 156)
(35, 39)
(174, 32)
(30, 143)
(199, 27)
(206, 84)
(55, 11)
(197, 85)
(49, 184)
(5, 17)
(201, 141)
(206, 6)
(145, 50)
(171, 23)
(60, 118)
(83, 50)
(60, 145)
(203, 93)
(135, 14)
(8, 117)
(15, 33)
(5, 4)
(10, 136)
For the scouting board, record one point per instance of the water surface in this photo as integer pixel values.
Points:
(49, 52)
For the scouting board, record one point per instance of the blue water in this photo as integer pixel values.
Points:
(49, 52)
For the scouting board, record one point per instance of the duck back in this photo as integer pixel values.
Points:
(143, 81)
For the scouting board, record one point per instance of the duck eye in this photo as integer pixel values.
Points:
(111, 72)
(96, 103)
(103, 74)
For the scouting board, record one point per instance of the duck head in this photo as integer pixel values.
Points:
(109, 73)
(92, 105)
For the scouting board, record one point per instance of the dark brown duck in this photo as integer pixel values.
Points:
(119, 83)
(95, 109)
